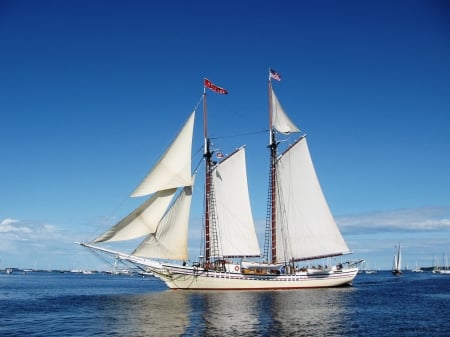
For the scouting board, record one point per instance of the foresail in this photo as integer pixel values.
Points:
(142, 220)
(174, 167)
(169, 240)
(280, 120)
(234, 227)
(305, 226)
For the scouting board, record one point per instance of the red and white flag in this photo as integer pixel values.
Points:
(274, 75)
(215, 88)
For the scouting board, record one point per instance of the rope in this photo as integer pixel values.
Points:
(241, 134)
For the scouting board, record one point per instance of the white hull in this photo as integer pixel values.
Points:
(197, 279)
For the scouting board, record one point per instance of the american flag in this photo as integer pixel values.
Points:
(219, 155)
(275, 75)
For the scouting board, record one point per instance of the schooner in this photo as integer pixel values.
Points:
(300, 227)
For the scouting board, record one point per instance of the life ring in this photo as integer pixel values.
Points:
(236, 268)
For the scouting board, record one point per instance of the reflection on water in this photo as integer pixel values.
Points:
(231, 313)
(222, 313)
(164, 313)
(288, 313)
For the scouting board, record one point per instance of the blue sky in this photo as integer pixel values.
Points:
(92, 91)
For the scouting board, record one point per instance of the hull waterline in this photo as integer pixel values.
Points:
(193, 279)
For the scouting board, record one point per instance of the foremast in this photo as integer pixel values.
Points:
(228, 224)
(210, 226)
(207, 155)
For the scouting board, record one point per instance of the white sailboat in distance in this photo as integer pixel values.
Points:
(397, 264)
(300, 231)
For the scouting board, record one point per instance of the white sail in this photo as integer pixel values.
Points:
(397, 260)
(174, 167)
(280, 120)
(169, 240)
(305, 226)
(234, 225)
(142, 220)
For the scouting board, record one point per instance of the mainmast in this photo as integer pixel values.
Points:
(273, 155)
(273, 146)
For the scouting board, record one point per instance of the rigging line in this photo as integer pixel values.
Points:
(198, 165)
(241, 134)
(105, 221)
(198, 103)
(199, 150)
(101, 257)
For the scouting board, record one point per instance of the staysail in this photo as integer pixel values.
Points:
(170, 238)
(142, 220)
(234, 226)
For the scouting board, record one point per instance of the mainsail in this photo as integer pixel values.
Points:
(306, 228)
(303, 224)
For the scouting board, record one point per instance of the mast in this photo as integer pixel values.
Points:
(209, 197)
(207, 156)
(273, 156)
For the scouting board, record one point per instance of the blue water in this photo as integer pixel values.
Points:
(55, 304)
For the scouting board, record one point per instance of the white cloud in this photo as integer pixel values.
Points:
(8, 221)
(26, 244)
(412, 220)
(29, 229)
(13, 227)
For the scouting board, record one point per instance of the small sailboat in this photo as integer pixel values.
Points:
(300, 227)
(417, 269)
(445, 268)
(397, 265)
(371, 271)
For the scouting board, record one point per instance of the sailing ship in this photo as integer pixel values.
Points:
(368, 270)
(417, 269)
(397, 265)
(444, 269)
(300, 227)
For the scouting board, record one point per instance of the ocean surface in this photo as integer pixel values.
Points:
(58, 304)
